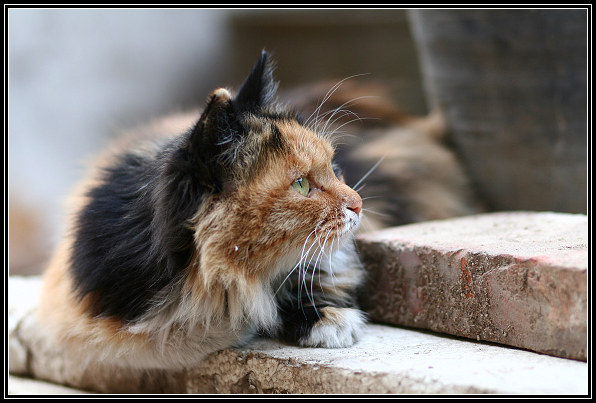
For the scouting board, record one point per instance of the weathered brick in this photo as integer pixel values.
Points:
(517, 278)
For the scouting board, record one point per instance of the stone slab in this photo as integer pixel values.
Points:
(386, 360)
(516, 278)
(394, 360)
(25, 386)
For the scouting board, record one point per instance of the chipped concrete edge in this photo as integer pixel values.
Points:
(229, 371)
(238, 371)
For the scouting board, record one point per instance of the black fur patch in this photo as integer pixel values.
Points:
(125, 249)
(298, 322)
(300, 310)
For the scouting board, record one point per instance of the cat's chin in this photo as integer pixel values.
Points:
(350, 224)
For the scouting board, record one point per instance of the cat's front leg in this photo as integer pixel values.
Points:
(315, 324)
(337, 327)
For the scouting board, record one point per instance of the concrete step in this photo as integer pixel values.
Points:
(386, 360)
(516, 278)
(25, 386)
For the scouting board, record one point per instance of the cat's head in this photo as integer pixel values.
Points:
(274, 192)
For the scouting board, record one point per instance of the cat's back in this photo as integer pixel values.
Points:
(146, 139)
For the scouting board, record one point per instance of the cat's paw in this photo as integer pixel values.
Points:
(338, 327)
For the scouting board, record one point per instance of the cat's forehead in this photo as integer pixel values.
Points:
(305, 142)
(282, 147)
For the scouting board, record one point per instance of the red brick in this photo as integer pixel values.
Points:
(516, 278)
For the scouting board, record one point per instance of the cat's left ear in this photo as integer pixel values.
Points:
(259, 88)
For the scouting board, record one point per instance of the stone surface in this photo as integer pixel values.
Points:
(517, 278)
(25, 386)
(385, 360)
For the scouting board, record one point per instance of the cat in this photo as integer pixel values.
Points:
(181, 244)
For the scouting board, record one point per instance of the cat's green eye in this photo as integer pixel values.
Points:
(301, 185)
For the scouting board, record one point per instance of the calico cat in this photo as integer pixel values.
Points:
(185, 243)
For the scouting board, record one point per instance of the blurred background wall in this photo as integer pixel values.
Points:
(77, 76)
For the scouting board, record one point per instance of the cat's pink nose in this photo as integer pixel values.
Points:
(355, 205)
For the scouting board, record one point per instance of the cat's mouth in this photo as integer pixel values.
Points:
(350, 223)
(337, 230)
(353, 219)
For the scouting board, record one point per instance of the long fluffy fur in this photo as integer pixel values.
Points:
(182, 244)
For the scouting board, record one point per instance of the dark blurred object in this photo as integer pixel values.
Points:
(314, 45)
(513, 87)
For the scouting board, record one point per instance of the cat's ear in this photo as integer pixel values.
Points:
(213, 133)
(258, 90)
(219, 121)
(219, 129)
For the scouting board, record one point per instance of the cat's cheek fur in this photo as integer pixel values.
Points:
(337, 328)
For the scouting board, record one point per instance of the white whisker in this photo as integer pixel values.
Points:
(369, 171)
(303, 269)
(357, 190)
(344, 112)
(358, 118)
(315, 266)
(347, 112)
(375, 212)
(327, 96)
(331, 275)
(302, 257)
